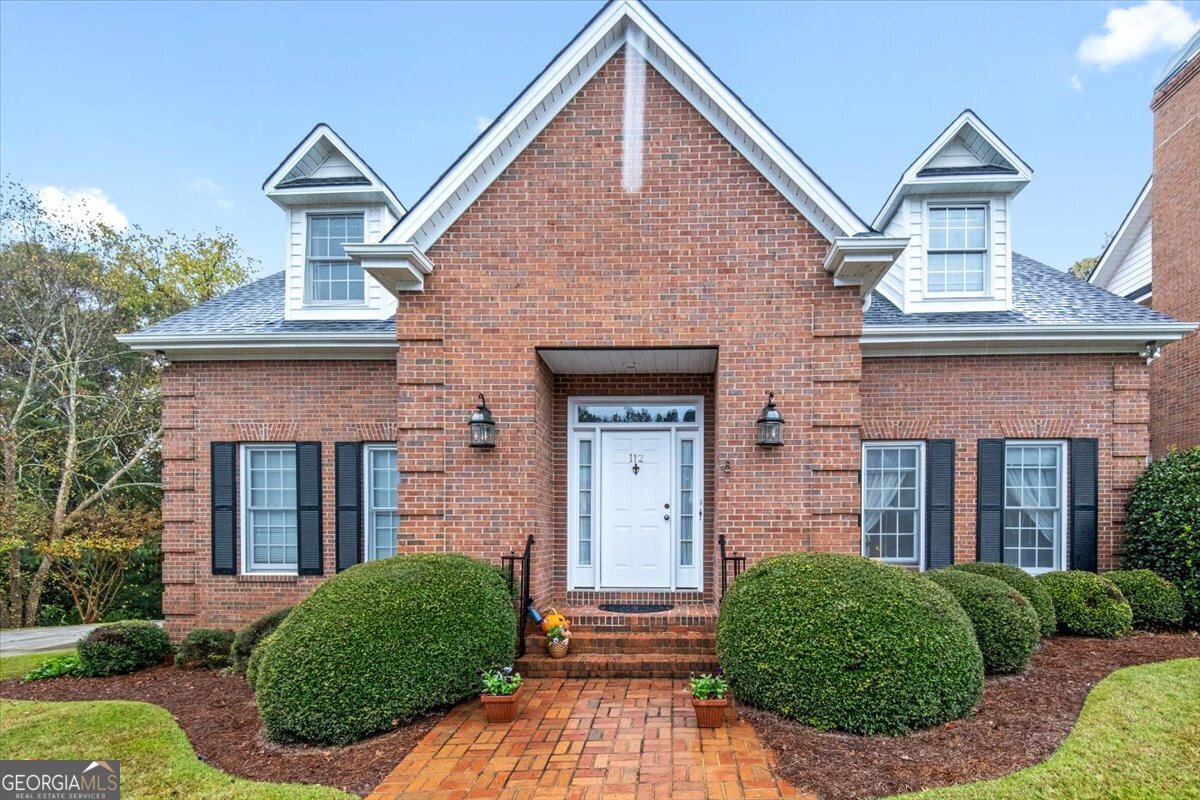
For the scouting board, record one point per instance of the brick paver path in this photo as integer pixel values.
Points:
(588, 739)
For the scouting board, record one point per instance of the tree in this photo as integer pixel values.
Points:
(79, 412)
(1082, 268)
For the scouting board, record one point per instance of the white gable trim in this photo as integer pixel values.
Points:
(541, 101)
(1119, 246)
(966, 120)
(300, 151)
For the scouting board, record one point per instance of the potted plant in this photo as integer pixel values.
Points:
(558, 639)
(500, 688)
(709, 700)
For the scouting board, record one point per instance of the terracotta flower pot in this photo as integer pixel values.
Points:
(710, 713)
(500, 707)
(557, 649)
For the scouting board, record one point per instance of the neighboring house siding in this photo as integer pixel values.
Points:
(1133, 273)
(967, 398)
(246, 402)
(1175, 392)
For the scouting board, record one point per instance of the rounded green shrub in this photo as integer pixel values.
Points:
(249, 637)
(122, 647)
(256, 657)
(840, 641)
(1162, 532)
(1087, 604)
(383, 642)
(1157, 603)
(1024, 583)
(1006, 626)
(205, 648)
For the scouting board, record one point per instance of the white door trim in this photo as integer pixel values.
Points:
(587, 577)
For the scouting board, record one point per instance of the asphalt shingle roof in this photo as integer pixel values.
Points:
(256, 308)
(1042, 295)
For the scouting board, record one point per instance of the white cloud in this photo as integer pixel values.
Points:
(81, 207)
(482, 123)
(215, 191)
(1133, 32)
(1076, 84)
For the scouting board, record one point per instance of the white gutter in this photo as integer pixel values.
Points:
(885, 340)
(265, 346)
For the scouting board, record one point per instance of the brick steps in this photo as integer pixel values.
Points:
(634, 643)
(537, 664)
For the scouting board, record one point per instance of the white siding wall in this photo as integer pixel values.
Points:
(956, 154)
(892, 285)
(380, 304)
(1134, 270)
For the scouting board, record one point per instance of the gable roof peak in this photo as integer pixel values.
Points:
(323, 166)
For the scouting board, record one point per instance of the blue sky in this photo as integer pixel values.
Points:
(174, 113)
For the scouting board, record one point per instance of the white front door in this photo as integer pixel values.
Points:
(636, 530)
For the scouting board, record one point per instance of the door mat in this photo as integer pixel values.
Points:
(635, 608)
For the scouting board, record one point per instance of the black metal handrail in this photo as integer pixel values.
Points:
(729, 561)
(522, 600)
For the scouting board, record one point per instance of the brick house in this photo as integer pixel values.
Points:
(624, 304)
(1151, 258)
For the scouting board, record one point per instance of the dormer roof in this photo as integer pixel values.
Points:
(966, 156)
(1124, 239)
(323, 170)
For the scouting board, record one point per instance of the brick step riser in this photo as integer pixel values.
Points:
(569, 668)
(609, 625)
(702, 644)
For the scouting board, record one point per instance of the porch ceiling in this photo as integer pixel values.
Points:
(638, 360)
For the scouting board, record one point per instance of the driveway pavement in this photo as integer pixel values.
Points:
(20, 641)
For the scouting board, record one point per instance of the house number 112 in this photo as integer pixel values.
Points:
(635, 459)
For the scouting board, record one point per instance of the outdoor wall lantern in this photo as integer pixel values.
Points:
(483, 425)
(770, 424)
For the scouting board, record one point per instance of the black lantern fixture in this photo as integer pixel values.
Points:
(770, 424)
(483, 426)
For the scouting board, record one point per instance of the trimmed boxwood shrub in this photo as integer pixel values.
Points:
(1006, 626)
(381, 643)
(1162, 532)
(122, 647)
(839, 641)
(205, 648)
(1157, 603)
(256, 657)
(1024, 583)
(1087, 604)
(249, 637)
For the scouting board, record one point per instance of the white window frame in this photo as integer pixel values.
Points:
(682, 578)
(1060, 549)
(988, 266)
(248, 564)
(919, 545)
(369, 508)
(306, 261)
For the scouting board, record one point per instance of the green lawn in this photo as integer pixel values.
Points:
(156, 759)
(16, 666)
(1138, 738)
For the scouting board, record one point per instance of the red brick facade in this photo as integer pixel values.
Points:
(556, 254)
(1175, 378)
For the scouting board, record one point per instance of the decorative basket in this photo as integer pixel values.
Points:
(557, 649)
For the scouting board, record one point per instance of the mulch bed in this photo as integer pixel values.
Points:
(1021, 721)
(218, 714)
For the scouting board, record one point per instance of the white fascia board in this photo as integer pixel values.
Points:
(913, 340)
(1114, 253)
(399, 268)
(862, 261)
(265, 347)
(965, 119)
(515, 121)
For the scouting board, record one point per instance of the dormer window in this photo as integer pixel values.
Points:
(333, 278)
(958, 250)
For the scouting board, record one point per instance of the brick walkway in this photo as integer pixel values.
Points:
(587, 739)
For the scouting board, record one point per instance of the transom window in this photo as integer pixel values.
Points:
(269, 498)
(610, 413)
(382, 518)
(1033, 505)
(332, 276)
(892, 501)
(957, 250)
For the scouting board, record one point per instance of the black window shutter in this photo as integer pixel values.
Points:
(1084, 491)
(223, 494)
(989, 501)
(939, 506)
(348, 496)
(308, 507)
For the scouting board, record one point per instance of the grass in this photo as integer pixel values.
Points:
(1138, 738)
(16, 666)
(156, 759)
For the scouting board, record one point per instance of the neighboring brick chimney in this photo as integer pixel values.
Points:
(1175, 378)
